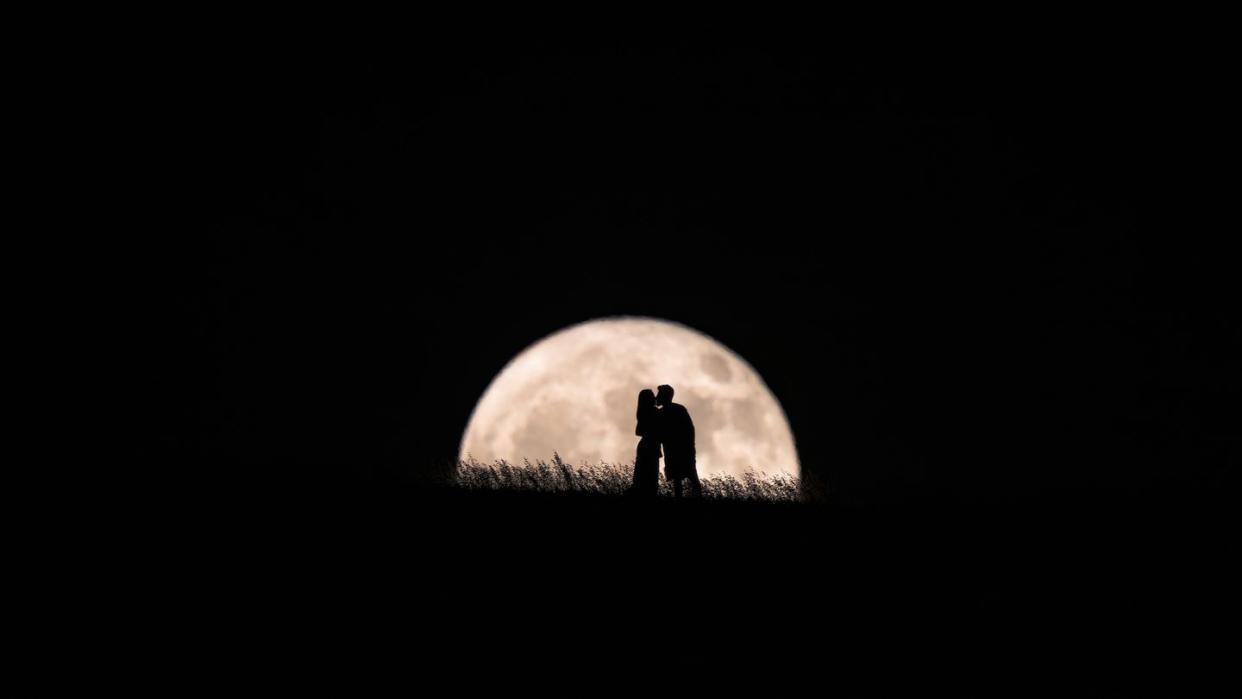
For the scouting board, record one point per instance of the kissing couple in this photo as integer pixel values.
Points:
(664, 426)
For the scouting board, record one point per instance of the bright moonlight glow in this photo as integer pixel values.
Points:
(575, 391)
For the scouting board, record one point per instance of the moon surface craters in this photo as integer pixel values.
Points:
(716, 366)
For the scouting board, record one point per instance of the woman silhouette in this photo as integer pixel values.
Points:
(647, 460)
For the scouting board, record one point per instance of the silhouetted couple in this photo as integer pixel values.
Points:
(666, 425)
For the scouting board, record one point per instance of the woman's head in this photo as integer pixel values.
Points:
(646, 399)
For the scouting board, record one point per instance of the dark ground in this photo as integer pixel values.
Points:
(899, 596)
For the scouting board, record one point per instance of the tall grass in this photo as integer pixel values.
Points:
(607, 479)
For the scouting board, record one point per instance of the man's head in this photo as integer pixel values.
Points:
(664, 395)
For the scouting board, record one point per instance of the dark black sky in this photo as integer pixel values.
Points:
(951, 269)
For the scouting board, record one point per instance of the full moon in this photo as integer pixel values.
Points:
(575, 392)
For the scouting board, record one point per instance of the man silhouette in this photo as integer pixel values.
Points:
(677, 436)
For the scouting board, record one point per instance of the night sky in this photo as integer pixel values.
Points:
(949, 268)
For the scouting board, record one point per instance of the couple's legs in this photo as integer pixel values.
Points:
(696, 489)
(646, 477)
